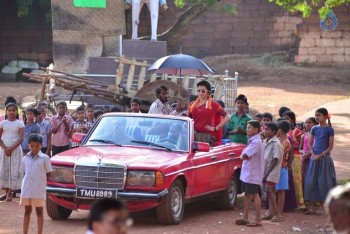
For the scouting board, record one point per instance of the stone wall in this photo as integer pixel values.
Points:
(325, 47)
(258, 27)
(28, 38)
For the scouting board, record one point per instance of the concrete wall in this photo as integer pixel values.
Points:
(26, 38)
(258, 27)
(325, 47)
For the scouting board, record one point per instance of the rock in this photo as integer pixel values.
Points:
(10, 70)
(296, 229)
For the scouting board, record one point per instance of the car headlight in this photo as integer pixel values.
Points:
(62, 175)
(141, 178)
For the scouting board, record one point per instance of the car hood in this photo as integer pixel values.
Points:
(135, 157)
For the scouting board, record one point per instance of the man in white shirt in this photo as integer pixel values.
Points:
(161, 105)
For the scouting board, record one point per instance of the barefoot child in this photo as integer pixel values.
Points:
(252, 173)
(30, 127)
(320, 176)
(37, 168)
(11, 134)
(273, 162)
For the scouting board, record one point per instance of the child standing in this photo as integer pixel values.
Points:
(45, 132)
(79, 126)
(282, 185)
(273, 162)
(252, 173)
(320, 176)
(135, 105)
(304, 145)
(30, 127)
(295, 133)
(11, 134)
(37, 168)
(89, 112)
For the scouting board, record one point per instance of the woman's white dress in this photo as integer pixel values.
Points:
(10, 174)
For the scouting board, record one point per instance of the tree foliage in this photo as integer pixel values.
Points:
(306, 6)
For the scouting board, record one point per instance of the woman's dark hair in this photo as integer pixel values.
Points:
(10, 99)
(284, 125)
(115, 109)
(221, 103)
(11, 104)
(97, 113)
(312, 119)
(258, 116)
(206, 84)
(291, 115)
(282, 110)
(324, 112)
(273, 126)
(101, 207)
(136, 100)
(243, 98)
(160, 88)
(35, 138)
(255, 124)
(267, 115)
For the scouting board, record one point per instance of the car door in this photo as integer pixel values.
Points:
(211, 169)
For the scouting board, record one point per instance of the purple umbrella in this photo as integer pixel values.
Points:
(180, 64)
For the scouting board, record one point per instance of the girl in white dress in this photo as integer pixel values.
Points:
(11, 134)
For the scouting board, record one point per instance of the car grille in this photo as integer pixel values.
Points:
(108, 177)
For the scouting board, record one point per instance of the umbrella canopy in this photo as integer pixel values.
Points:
(180, 64)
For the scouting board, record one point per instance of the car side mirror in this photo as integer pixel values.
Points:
(201, 147)
(78, 137)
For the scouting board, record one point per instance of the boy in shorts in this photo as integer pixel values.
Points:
(252, 173)
(273, 162)
(37, 168)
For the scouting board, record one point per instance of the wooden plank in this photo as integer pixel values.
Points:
(131, 62)
(174, 78)
(185, 82)
(153, 77)
(120, 72)
(130, 76)
(142, 76)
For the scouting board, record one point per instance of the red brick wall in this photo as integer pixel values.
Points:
(258, 27)
(27, 38)
(325, 47)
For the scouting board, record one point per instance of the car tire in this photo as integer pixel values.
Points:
(171, 209)
(55, 211)
(227, 198)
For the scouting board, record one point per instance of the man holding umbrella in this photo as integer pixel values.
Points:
(161, 105)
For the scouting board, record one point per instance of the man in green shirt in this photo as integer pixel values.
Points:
(238, 123)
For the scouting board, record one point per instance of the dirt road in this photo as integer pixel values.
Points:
(200, 218)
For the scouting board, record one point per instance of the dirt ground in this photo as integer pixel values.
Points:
(269, 83)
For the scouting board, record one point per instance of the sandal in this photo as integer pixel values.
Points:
(267, 217)
(310, 212)
(253, 224)
(276, 219)
(241, 222)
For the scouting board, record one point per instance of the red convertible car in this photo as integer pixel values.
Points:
(149, 161)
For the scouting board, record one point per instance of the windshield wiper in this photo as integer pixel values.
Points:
(152, 144)
(106, 141)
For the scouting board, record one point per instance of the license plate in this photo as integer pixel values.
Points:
(96, 193)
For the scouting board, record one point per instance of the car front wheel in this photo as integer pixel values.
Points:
(227, 198)
(171, 209)
(55, 211)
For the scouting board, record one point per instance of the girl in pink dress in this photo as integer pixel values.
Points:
(304, 145)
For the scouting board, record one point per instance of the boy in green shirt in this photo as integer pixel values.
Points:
(238, 123)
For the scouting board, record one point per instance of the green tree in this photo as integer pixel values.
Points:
(307, 6)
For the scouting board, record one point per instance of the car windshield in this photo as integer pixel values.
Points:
(161, 133)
